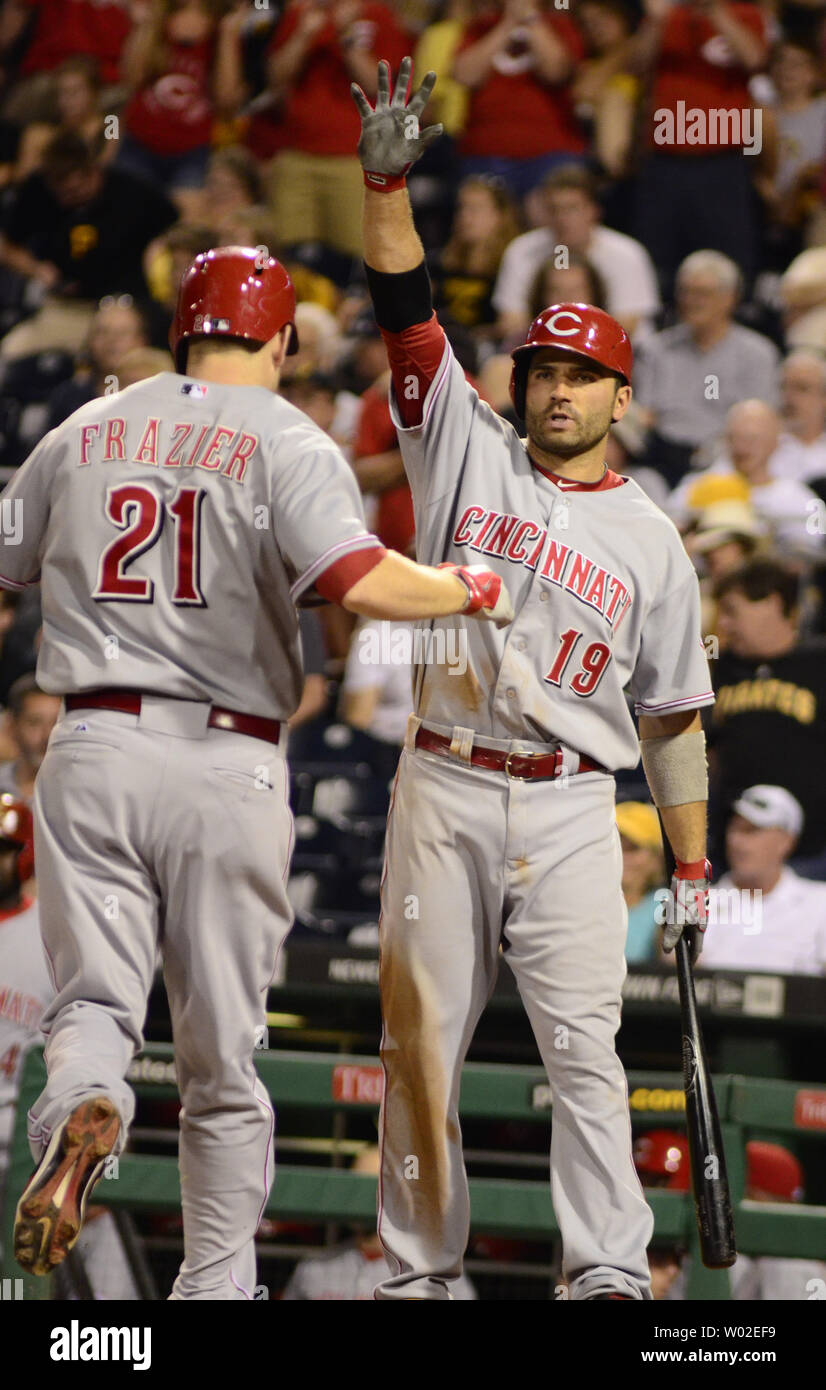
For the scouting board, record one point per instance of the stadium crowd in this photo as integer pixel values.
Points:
(585, 156)
(663, 160)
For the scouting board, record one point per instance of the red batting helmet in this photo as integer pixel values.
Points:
(575, 328)
(17, 830)
(772, 1168)
(234, 292)
(663, 1153)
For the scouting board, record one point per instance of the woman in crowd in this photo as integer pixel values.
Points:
(484, 223)
(180, 66)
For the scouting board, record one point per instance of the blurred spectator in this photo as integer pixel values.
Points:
(799, 116)
(61, 29)
(78, 103)
(139, 363)
(642, 873)
(725, 536)
(170, 255)
(178, 75)
(377, 461)
(771, 699)
(579, 282)
(801, 452)
(773, 1174)
(605, 93)
(435, 52)
(694, 188)
(315, 394)
(376, 694)
(31, 715)
(352, 1271)
(803, 299)
(233, 185)
(320, 342)
(517, 60)
(31, 143)
(118, 327)
(573, 229)
(787, 509)
(463, 277)
(689, 376)
(317, 50)
(762, 916)
(80, 231)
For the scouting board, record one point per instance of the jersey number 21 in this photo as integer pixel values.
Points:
(139, 514)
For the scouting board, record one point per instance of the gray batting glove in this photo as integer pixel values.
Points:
(689, 901)
(391, 140)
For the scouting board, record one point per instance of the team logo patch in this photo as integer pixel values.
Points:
(553, 323)
(194, 389)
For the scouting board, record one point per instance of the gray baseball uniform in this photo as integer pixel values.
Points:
(606, 601)
(173, 526)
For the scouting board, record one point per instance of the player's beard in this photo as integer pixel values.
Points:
(583, 435)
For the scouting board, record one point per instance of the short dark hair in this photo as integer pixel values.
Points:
(758, 579)
(597, 293)
(85, 65)
(572, 176)
(20, 691)
(66, 153)
(243, 165)
(194, 237)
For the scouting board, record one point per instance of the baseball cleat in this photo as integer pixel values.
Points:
(50, 1212)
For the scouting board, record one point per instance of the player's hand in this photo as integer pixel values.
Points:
(487, 596)
(689, 901)
(391, 139)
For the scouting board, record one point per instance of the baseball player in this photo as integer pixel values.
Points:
(502, 827)
(173, 526)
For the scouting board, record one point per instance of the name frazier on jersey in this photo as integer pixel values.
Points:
(188, 446)
(522, 542)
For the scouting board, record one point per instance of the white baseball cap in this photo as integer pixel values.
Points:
(771, 806)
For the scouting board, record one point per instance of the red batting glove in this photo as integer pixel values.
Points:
(487, 596)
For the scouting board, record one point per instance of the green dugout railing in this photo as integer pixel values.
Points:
(337, 1082)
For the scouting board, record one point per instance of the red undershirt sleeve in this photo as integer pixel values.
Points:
(339, 578)
(414, 356)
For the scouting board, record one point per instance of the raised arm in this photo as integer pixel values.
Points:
(391, 141)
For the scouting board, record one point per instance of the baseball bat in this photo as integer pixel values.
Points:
(709, 1179)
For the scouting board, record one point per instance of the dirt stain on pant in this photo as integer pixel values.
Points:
(416, 1131)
